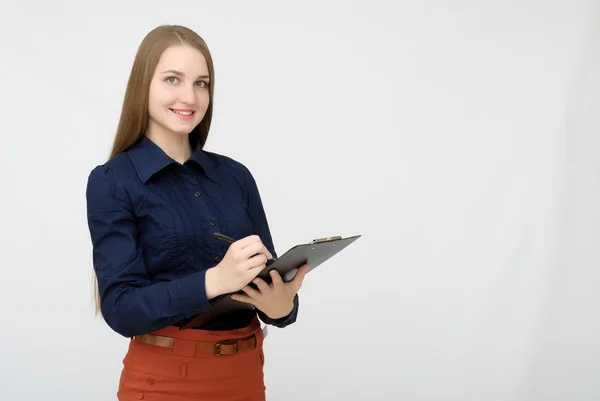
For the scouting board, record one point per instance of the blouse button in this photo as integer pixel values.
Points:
(217, 259)
(197, 194)
(150, 380)
(213, 223)
(140, 396)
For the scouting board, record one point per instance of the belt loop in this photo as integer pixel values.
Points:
(183, 371)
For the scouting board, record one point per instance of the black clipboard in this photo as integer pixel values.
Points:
(314, 253)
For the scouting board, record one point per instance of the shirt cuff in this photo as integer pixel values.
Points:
(283, 321)
(190, 294)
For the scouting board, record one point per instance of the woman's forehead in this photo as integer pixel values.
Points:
(183, 59)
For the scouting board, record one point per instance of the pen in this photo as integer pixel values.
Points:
(229, 240)
(224, 238)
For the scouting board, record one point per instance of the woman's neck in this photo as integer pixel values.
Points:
(176, 146)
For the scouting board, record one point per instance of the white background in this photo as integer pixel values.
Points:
(459, 138)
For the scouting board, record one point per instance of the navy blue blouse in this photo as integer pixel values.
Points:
(151, 219)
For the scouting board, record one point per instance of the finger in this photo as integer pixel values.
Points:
(252, 293)
(261, 284)
(251, 249)
(246, 241)
(242, 298)
(299, 277)
(254, 249)
(252, 245)
(255, 261)
(276, 279)
(255, 271)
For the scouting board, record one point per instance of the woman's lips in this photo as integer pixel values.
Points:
(184, 114)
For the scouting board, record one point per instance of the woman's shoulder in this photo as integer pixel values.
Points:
(228, 164)
(236, 170)
(111, 177)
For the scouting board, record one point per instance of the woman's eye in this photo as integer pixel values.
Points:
(171, 80)
(202, 82)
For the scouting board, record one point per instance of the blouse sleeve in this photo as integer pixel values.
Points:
(260, 227)
(130, 304)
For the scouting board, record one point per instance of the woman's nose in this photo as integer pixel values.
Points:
(187, 95)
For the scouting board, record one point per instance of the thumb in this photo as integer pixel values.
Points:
(299, 277)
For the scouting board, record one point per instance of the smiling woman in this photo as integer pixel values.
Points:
(179, 98)
(152, 209)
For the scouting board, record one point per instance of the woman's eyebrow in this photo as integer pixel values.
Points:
(175, 72)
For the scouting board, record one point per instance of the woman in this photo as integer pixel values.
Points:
(152, 210)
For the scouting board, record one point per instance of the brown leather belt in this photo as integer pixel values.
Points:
(221, 348)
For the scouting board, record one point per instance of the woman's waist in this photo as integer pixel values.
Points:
(195, 342)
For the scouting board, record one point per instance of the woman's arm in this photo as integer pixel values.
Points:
(260, 227)
(129, 303)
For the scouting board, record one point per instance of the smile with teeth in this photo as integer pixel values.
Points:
(183, 113)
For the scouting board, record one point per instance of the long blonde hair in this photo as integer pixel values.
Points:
(134, 113)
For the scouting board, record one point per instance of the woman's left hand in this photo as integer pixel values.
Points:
(276, 300)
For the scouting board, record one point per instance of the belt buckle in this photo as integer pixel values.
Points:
(236, 342)
(226, 342)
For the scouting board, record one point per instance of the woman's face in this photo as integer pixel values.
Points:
(179, 94)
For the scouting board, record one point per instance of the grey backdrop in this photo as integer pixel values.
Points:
(459, 138)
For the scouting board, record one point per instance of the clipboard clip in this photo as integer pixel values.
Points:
(326, 239)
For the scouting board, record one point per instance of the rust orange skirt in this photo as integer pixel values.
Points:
(182, 365)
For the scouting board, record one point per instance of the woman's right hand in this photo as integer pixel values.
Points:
(243, 261)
